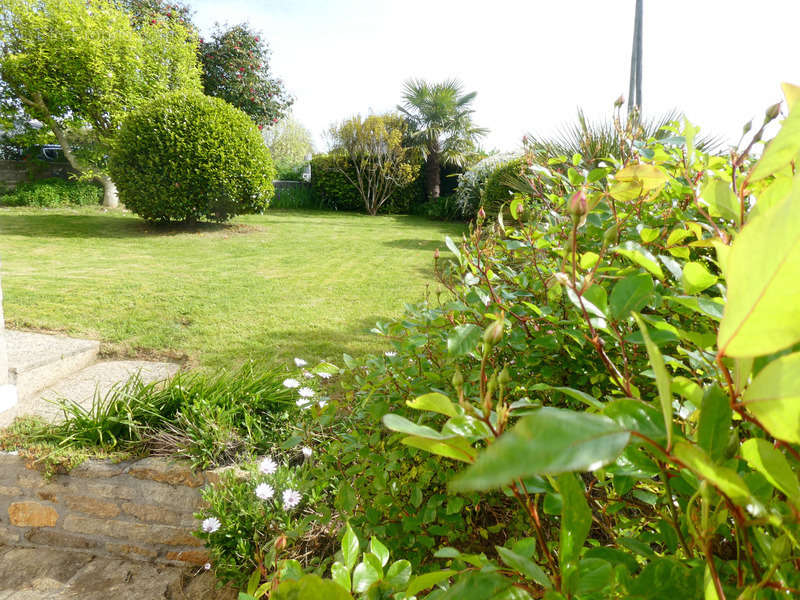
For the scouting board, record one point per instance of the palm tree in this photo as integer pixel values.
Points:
(440, 125)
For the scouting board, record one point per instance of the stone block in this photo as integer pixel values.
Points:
(32, 514)
(192, 557)
(98, 469)
(136, 552)
(10, 490)
(152, 513)
(60, 539)
(131, 532)
(163, 471)
(92, 506)
(7, 536)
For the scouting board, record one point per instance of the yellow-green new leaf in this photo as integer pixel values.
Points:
(455, 448)
(724, 479)
(762, 314)
(663, 379)
(782, 150)
(792, 94)
(434, 402)
(774, 398)
(764, 458)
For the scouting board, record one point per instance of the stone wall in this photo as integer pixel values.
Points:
(13, 172)
(138, 510)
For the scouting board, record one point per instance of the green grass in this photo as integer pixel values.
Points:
(266, 287)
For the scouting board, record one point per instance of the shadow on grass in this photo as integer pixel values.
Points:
(411, 244)
(43, 225)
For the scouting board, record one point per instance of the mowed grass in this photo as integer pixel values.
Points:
(267, 287)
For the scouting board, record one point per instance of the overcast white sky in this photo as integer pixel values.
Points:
(532, 62)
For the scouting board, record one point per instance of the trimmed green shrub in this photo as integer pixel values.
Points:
(53, 192)
(331, 189)
(495, 191)
(469, 192)
(189, 157)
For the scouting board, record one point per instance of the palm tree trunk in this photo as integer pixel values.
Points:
(432, 181)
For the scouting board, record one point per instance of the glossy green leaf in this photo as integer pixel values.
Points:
(452, 247)
(713, 429)
(516, 206)
(579, 395)
(630, 294)
(648, 235)
(761, 315)
(365, 574)
(696, 278)
(379, 550)
(477, 585)
(525, 566)
(593, 575)
(434, 402)
(635, 415)
(721, 200)
(341, 575)
(310, 587)
(772, 464)
(724, 479)
(551, 440)
(463, 339)
(641, 256)
(403, 425)
(455, 448)
(663, 379)
(398, 574)
(782, 150)
(634, 181)
(350, 547)
(428, 580)
(588, 260)
(774, 398)
(576, 519)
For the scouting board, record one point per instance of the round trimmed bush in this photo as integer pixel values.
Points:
(189, 157)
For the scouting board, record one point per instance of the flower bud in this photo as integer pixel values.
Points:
(577, 206)
(493, 333)
(436, 254)
(619, 101)
(458, 380)
(280, 543)
(772, 112)
(481, 213)
(610, 235)
(505, 376)
(748, 126)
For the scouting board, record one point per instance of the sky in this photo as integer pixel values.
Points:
(531, 62)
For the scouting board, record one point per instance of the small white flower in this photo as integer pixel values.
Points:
(264, 491)
(300, 362)
(306, 392)
(308, 375)
(324, 375)
(322, 403)
(306, 451)
(291, 383)
(302, 403)
(211, 524)
(207, 566)
(291, 498)
(390, 353)
(268, 466)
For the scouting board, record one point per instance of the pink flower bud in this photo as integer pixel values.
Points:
(577, 206)
(481, 213)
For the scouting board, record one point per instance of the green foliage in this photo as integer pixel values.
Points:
(207, 419)
(289, 143)
(51, 193)
(496, 191)
(236, 69)
(376, 163)
(331, 189)
(189, 157)
(469, 195)
(293, 196)
(91, 68)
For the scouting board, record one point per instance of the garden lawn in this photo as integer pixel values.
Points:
(267, 287)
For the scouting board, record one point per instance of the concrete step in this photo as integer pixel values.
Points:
(48, 574)
(36, 360)
(82, 387)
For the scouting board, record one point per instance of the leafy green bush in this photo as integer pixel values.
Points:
(53, 192)
(496, 191)
(443, 208)
(189, 157)
(469, 193)
(331, 188)
(294, 196)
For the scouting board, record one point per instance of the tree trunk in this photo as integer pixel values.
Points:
(110, 198)
(432, 181)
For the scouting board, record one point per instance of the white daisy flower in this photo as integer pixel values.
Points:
(306, 392)
(322, 403)
(264, 491)
(306, 451)
(211, 524)
(207, 566)
(291, 498)
(302, 403)
(291, 383)
(324, 375)
(308, 375)
(268, 466)
(300, 362)
(390, 353)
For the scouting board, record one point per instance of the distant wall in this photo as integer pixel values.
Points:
(139, 510)
(13, 172)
